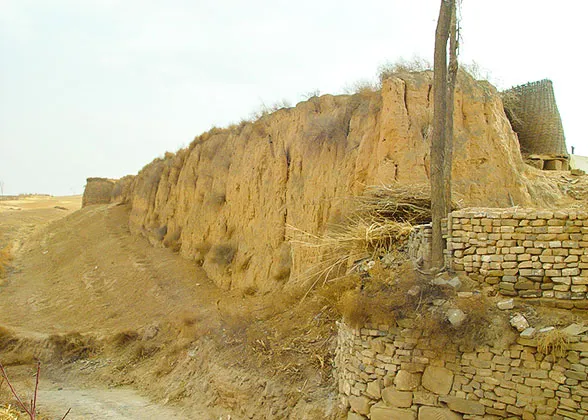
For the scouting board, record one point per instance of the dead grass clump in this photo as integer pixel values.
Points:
(124, 338)
(7, 338)
(402, 203)
(402, 66)
(477, 326)
(172, 239)
(5, 260)
(387, 297)
(7, 412)
(223, 254)
(72, 346)
(191, 327)
(265, 110)
(554, 342)
(327, 128)
(344, 247)
(482, 325)
(363, 88)
(141, 351)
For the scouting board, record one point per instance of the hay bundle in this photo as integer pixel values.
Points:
(378, 224)
(401, 203)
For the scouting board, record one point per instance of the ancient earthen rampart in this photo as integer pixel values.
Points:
(230, 200)
(97, 191)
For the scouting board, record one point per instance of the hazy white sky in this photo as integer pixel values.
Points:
(101, 87)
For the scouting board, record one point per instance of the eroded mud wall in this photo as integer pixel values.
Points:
(230, 199)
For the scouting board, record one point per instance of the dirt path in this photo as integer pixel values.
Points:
(99, 403)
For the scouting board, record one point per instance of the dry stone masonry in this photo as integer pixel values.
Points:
(394, 373)
(419, 244)
(524, 252)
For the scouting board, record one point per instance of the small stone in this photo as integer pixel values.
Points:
(394, 398)
(354, 416)
(519, 322)
(505, 304)
(374, 389)
(455, 282)
(456, 317)
(437, 379)
(407, 381)
(575, 329)
(529, 332)
(436, 413)
(360, 405)
(381, 412)
(464, 406)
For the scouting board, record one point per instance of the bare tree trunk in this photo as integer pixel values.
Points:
(451, 80)
(438, 205)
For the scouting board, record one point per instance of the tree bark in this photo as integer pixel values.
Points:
(438, 205)
(451, 80)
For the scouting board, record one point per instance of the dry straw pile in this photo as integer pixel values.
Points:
(378, 224)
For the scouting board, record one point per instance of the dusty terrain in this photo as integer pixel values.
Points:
(105, 311)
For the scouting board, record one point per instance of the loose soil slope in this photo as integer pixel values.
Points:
(103, 308)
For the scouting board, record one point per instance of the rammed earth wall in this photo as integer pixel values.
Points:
(524, 252)
(394, 373)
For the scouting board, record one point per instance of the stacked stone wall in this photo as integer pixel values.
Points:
(395, 373)
(419, 244)
(524, 252)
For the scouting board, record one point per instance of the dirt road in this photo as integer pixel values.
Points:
(82, 272)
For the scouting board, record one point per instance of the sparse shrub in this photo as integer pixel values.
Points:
(554, 342)
(386, 296)
(327, 127)
(72, 346)
(6, 338)
(172, 239)
(265, 110)
(362, 87)
(312, 94)
(142, 351)
(223, 254)
(124, 338)
(476, 71)
(417, 64)
(201, 250)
